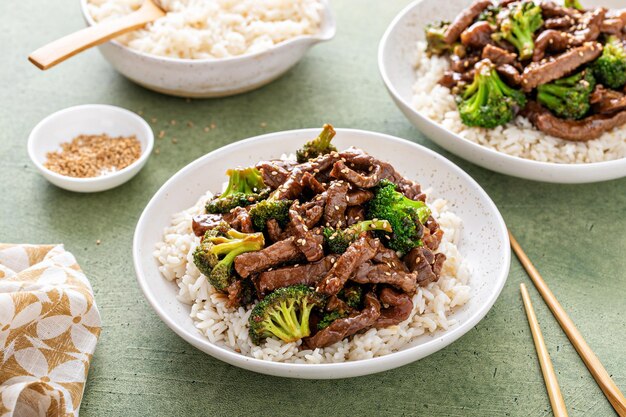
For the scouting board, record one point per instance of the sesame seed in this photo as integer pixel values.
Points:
(274, 173)
(98, 242)
(336, 207)
(388, 273)
(161, 134)
(296, 265)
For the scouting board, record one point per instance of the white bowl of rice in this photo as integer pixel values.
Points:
(213, 48)
(517, 149)
(475, 243)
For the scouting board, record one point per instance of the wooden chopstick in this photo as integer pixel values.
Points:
(552, 385)
(604, 381)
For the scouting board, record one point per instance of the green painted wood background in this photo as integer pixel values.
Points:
(575, 235)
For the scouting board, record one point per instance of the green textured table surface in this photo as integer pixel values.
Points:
(576, 235)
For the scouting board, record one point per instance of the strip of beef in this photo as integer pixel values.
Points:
(390, 258)
(510, 74)
(464, 19)
(550, 9)
(587, 30)
(359, 252)
(201, 223)
(341, 171)
(463, 65)
(311, 211)
(589, 128)
(305, 239)
(274, 175)
(551, 41)
(498, 55)
(432, 234)
(357, 158)
(240, 293)
(369, 273)
(354, 215)
(399, 308)
(537, 73)
(451, 79)
(612, 26)
(561, 23)
(308, 274)
(440, 258)
(239, 219)
(425, 264)
(477, 35)
(274, 255)
(309, 181)
(359, 197)
(342, 328)
(274, 231)
(617, 14)
(336, 303)
(607, 101)
(292, 187)
(336, 204)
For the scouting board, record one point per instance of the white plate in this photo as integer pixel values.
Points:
(396, 54)
(484, 241)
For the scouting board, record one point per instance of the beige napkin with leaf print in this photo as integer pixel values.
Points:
(49, 327)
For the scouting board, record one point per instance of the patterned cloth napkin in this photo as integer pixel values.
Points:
(49, 327)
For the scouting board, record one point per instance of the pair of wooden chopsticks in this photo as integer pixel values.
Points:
(604, 381)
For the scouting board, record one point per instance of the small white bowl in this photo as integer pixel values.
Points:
(483, 241)
(88, 119)
(204, 78)
(396, 55)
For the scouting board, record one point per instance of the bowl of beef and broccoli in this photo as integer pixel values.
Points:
(531, 88)
(299, 253)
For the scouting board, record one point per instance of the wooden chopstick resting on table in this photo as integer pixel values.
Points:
(604, 381)
(552, 385)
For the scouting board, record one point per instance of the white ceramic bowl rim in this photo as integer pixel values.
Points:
(145, 153)
(532, 164)
(229, 356)
(327, 31)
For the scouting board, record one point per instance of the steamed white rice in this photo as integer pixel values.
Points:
(214, 28)
(519, 137)
(229, 327)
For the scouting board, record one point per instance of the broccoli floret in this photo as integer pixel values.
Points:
(217, 250)
(518, 27)
(573, 4)
(319, 146)
(264, 210)
(331, 316)
(401, 212)
(352, 296)
(338, 240)
(435, 43)
(488, 101)
(568, 97)
(610, 68)
(245, 187)
(284, 314)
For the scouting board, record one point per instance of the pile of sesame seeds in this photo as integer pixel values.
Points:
(94, 155)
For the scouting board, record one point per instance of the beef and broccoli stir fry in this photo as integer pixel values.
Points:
(563, 67)
(330, 244)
